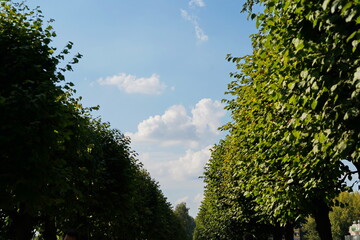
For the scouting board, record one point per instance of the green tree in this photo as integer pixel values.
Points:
(228, 210)
(101, 173)
(36, 122)
(187, 222)
(310, 229)
(152, 213)
(343, 216)
(112, 196)
(297, 89)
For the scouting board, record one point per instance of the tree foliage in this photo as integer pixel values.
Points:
(294, 110)
(186, 221)
(61, 168)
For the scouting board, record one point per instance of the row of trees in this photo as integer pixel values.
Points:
(60, 168)
(295, 116)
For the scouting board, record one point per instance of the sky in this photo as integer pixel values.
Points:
(157, 70)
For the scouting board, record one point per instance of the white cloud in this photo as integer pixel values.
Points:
(171, 128)
(200, 34)
(178, 174)
(177, 168)
(199, 3)
(207, 115)
(158, 163)
(131, 84)
(174, 147)
(176, 127)
(189, 166)
(185, 15)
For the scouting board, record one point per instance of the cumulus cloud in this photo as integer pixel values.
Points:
(176, 145)
(175, 126)
(199, 3)
(200, 34)
(178, 173)
(207, 115)
(191, 165)
(186, 167)
(171, 128)
(131, 84)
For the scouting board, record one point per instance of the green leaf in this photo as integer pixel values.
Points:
(346, 7)
(303, 116)
(296, 133)
(304, 73)
(322, 137)
(354, 43)
(357, 20)
(351, 15)
(334, 5)
(325, 4)
(357, 74)
(291, 85)
(351, 36)
(293, 100)
(314, 104)
(290, 181)
(342, 145)
(298, 43)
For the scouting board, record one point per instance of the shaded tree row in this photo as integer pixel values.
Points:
(60, 168)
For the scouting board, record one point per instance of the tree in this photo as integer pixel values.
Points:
(187, 222)
(153, 215)
(229, 211)
(310, 229)
(306, 58)
(101, 174)
(36, 122)
(113, 196)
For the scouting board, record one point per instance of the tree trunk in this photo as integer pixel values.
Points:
(49, 232)
(21, 226)
(289, 232)
(321, 215)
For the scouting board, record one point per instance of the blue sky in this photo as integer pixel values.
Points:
(157, 69)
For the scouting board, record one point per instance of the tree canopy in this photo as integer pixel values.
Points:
(60, 167)
(295, 108)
